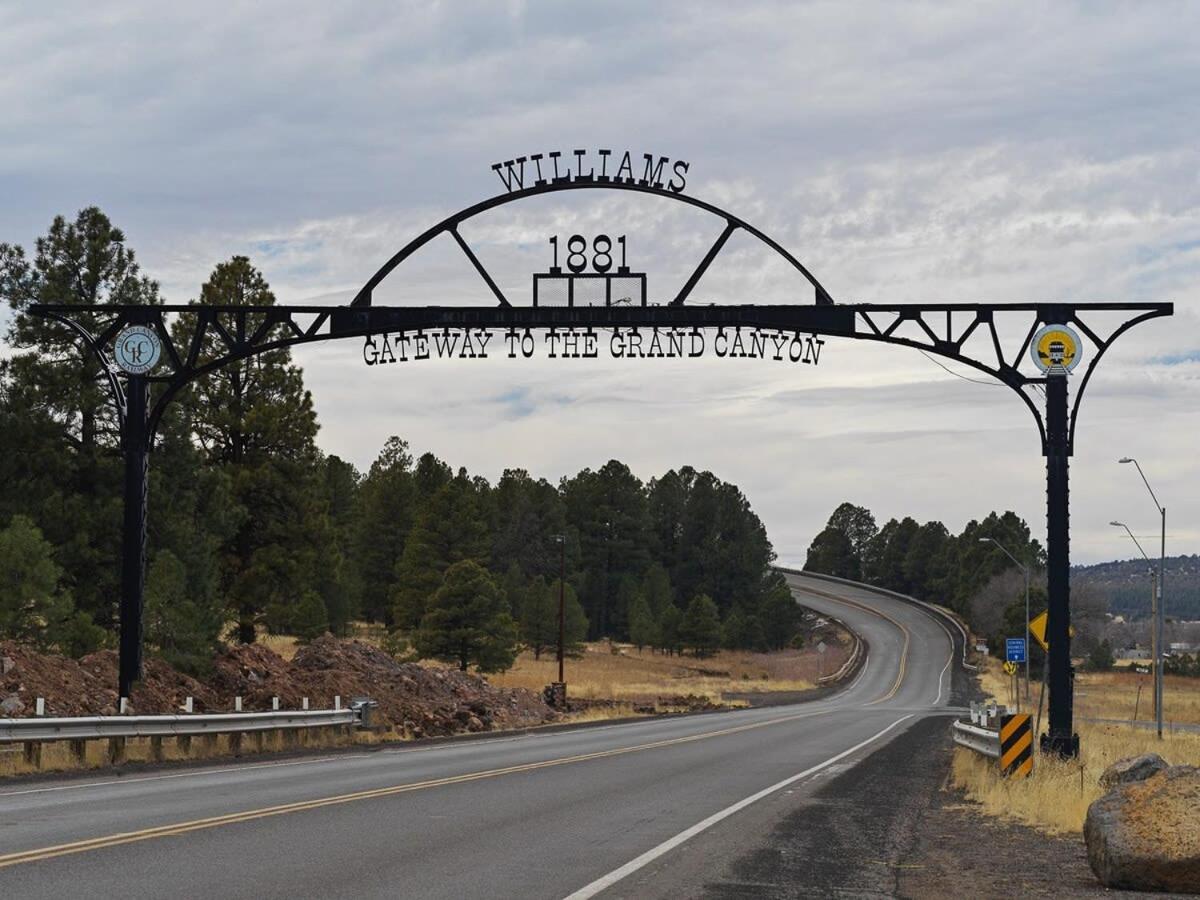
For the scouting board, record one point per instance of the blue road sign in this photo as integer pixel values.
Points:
(1014, 650)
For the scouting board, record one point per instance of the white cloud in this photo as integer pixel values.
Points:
(903, 152)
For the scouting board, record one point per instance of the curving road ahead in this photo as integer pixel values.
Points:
(654, 808)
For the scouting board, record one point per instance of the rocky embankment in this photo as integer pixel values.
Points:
(418, 700)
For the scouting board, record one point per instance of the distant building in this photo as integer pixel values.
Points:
(1133, 653)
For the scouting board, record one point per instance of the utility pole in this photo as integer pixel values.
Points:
(1162, 575)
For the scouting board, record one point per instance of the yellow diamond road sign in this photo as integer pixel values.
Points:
(1037, 627)
(1010, 668)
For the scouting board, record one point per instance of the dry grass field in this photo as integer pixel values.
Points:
(621, 673)
(1056, 797)
(1114, 695)
(1110, 695)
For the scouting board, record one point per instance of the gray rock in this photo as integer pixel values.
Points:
(1132, 768)
(12, 705)
(1145, 835)
(7, 664)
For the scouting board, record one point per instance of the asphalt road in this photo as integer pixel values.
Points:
(641, 809)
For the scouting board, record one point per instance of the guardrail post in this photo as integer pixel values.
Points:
(235, 743)
(156, 748)
(184, 743)
(33, 753)
(116, 750)
(79, 751)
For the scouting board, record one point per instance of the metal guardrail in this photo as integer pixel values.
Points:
(976, 737)
(85, 728)
(849, 665)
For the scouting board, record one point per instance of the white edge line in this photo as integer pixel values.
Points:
(949, 660)
(861, 672)
(607, 881)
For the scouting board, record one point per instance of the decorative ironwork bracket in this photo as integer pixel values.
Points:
(942, 329)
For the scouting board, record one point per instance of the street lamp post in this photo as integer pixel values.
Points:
(1025, 569)
(562, 587)
(1153, 613)
(1162, 563)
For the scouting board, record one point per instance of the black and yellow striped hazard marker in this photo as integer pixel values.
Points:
(1016, 745)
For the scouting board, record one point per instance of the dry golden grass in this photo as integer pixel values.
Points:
(1114, 695)
(1056, 797)
(628, 675)
(1110, 695)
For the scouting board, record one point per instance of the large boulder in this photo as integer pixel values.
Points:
(1131, 769)
(1145, 835)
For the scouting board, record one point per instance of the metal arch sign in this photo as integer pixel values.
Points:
(1055, 349)
(137, 350)
(590, 298)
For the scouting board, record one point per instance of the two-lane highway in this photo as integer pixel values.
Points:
(583, 811)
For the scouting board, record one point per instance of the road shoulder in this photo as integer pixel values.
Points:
(891, 826)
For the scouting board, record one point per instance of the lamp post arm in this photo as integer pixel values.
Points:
(1161, 509)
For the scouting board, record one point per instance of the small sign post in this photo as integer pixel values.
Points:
(1014, 657)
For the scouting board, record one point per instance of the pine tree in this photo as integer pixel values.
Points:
(467, 622)
(575, 623)
(778, 615)
(255, 419)
(734, 631)
(311, 620)
(701, 626)
(449, 529)
(670, 623)
(56, 388)
(183, 631)
(831, 553)
(386, 505)
(33, 605)
(656, 588)
(538, 617)
(642, 627)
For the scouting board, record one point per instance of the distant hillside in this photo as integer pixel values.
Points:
(1126, 586)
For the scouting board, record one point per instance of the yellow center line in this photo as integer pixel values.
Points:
(875, 612)
(129, 837)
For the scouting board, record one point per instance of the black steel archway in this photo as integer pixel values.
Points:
(943, 329)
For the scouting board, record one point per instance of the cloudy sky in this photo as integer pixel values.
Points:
(903, 152)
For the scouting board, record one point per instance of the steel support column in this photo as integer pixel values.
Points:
(1061, 738)
(135, 445)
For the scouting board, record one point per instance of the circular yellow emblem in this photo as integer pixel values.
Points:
(1055, 349)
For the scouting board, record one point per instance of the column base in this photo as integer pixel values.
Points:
(1060, 745)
